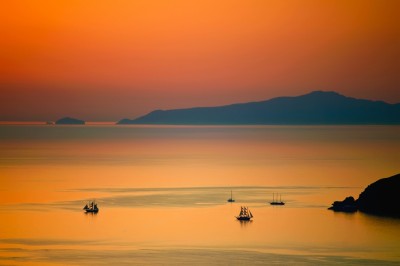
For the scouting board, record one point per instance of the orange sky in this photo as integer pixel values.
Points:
(106, 60)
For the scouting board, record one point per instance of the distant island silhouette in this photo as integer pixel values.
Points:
(380, 198)
(315, 108)
(69, 121)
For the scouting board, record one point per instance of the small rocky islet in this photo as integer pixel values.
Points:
(69, 121)
(379, 198)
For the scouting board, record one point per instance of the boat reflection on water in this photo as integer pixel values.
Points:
(245, 223)
(90, 213)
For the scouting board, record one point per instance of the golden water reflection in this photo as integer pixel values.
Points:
(164, 189)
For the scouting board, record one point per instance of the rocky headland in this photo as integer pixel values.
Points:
(380, 198)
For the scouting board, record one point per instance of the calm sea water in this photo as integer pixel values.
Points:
(163, 190)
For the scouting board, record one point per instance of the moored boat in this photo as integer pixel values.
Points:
(91, 207)
(275, 201)
(231, 199)
(245, 214)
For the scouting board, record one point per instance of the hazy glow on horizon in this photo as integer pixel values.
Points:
(105, 60)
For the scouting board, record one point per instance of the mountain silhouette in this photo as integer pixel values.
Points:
(315, 108)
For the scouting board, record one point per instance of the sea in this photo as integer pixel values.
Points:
(162, 193)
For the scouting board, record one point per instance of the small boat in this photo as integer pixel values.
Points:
(245, 214)
(275, 201)
(91, 207)
(231, 199)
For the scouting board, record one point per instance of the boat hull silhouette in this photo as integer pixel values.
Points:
(93, 211)
(277, 203)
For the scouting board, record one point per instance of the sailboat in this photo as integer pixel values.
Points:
(275, 201)
(245, 214)
(91, 207)
(231, 199)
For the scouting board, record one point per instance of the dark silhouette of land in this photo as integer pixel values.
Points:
(347, 205)
(315, 108)
(381, 198)
(69, 121)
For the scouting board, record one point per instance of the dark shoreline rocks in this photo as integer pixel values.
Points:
(69, 121)
(347, 205)
(379, 198)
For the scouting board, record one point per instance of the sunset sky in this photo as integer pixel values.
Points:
(107, 60)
